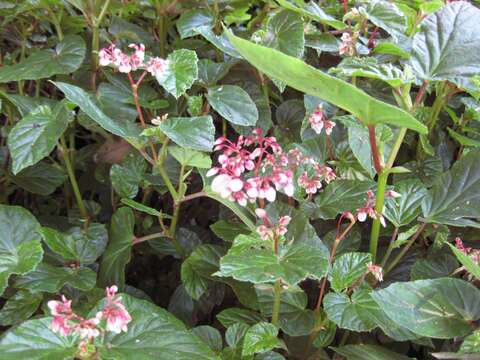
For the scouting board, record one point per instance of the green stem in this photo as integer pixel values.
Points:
(436, 107)
(390, 248)
(176, 213)
(380, 200)
(73, 179)
(161, 170)
(277, 291)
(96, 43)
(138, 240)
(405, 249)
(162, 34)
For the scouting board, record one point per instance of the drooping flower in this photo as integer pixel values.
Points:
(319, 121)
(268, 230)
(369, 210)
(62, 313)
(376, 271)
(114, 312)
(156, 66)
(347, 46)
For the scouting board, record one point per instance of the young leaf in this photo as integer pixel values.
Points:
(439, 308)
(180, 73)
(127, 177)
(260, 338)
(305, 78)
(20, 247)
(35, 340)
(127, 130)
(37, 134)
(234, 104)
(471, 266)
(195, 133)
(447, 47)
(455, 198)
(189, 157)
(348, 268)
(67, 57)
(117, 255)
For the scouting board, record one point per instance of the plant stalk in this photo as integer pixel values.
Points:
(379, 203)
(405, 249)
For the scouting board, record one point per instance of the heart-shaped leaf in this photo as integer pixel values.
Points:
(348, 268)
(180, 73)
(195, 133)
(234, 104)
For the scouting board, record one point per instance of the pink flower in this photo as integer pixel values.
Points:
(369, 210)
(87, 329)
(392, 194)
(459, 245)
(318, 121)
(115, 312)
(347, 47)
(268, 230)
(125, 63)
(376, 271)
(156, 66)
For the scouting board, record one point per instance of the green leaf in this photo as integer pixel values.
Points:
(67, 57)
(210, 72)
(189, 157)
(118, 252)
(455, 197)
(36, 135)
(221, 42)
(444, 35)
(77, 244)
(19, 307)
(436, 265)
(348, 268)
(190, 21)
(20, 247)
(140, 207)
(386, 15)
(471, 266)
(368, 352)
(34, 340)
(260, 338)
(197, 269)
(369, 67)
(180, 73)
(195, 133)
(231, 316)
(341, 195)
(48, 278)
(234, 104)
(209, 336)
(127, 177)
(262, 265)
(462, 139)
(127, 130)
(41, 178)
(439, 308)
(350, 313)
(391, 49)
(152, 333)
(313, 11)
(285, 33)
(227, 230)
(471, 344)
(405, 209)
(26, 104)
(307, 79)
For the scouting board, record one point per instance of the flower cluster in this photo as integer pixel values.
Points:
(474, 254)
(319, 121)
(376, 271)
(127, 63)
(347, 46)
(254, 167)
(369, 209)
(268, 230)
(66, 322)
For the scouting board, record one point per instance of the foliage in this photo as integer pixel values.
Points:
(281, 179)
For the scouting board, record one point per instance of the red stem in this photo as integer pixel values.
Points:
(420, 94)
(374, 148)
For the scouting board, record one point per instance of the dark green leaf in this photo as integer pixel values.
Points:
(433, 266)
(140, 207)
(195, 133)
(386, 15)
(439, 308)
(312, 10)
(285, 33)
(231, 316)
(368, 352)
(234, 104)
(67, 57)
(19, 307)
(210, 336)
(41, 178)
(36, 135)
(209, 72)
(20, 246)
(127, 177)
(455, 197)
(348, 268)
(445, 35)
(227, 231)
(117, 255)
(190, 21)
(403, 210)
(469, 264)
(34, 340)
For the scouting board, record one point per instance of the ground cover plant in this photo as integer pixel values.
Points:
(239, 179)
